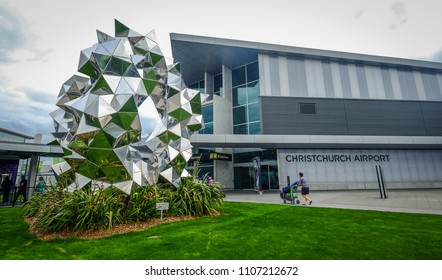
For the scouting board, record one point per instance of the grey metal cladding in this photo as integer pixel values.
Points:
(432, 113)
(328, 80)
(345, 80)
(281, 115)
(379, 117)
(362, 81)
(297, 77)
(431, 86)
(408, 85)
(389, 94)
(274, 75)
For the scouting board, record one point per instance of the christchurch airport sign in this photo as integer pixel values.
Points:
(359, 165)
(336, 158)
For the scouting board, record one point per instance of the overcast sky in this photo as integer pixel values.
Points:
(40, 41)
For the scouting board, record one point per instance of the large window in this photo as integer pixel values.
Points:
(218, 84)
(208, 119)
(207, 109)
(245, 92)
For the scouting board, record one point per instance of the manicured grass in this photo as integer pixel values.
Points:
(246, 231)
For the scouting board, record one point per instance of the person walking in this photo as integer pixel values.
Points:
(21, 190)
(304, 189)
(6, 186)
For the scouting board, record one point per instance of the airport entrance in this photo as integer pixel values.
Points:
(244, 177)
(244, 171)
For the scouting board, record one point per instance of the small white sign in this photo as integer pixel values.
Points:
(162, 205)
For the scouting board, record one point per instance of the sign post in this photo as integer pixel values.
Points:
(162, 206)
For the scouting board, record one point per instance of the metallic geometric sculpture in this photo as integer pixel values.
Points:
(98, 120)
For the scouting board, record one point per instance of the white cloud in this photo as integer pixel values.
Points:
(11, 34)
(26, 111)
(400, 15)
(41, 40)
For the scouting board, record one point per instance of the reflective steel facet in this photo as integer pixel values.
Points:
(98, 119)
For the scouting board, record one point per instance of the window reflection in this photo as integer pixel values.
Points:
(239, 76)
(239, 95)
(253, 112)
(253, 92)
(252, 72)
(218, 84)
(239, 115)
(208, 119)
(254, 128)
(240, 129)
(245, 102)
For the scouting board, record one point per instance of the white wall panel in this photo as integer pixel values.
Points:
(310, 76)
(378, 82)
(419, 85)
(431, 171)
(274, 76)
(396, 85)
(319, 78)
(283, 76)
(337, 83)
(399, 166)
(264, 75)
(371, 83)
(315, 78)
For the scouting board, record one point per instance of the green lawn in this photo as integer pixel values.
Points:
(247, 231)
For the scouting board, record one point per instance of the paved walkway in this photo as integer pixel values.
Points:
(407, 201)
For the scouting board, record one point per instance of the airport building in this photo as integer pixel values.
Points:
(333, 115)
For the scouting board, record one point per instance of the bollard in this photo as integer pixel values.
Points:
(381, 183)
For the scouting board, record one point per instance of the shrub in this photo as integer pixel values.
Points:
(196, 197)
(141, 204)
(93, 208)
(80, 210)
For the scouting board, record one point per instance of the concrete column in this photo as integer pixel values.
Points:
(222, 116)
(32, 174)
(208, 84)
(227, 83)
(223, 170)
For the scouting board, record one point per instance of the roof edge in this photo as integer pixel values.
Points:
(309, 52)
(16, 133)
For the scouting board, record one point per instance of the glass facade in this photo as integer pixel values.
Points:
(208, 119)
(245, 92)
(218, 84)
(206, 166)
(243, 169)
(246, 120)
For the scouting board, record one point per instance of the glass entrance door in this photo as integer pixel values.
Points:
(244, 178)
(269, 177)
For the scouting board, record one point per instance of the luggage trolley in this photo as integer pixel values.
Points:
(290, 194)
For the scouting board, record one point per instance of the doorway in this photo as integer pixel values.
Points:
(244, 178)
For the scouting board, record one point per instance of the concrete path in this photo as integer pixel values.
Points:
(407, 201)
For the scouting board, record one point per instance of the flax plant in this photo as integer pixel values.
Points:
(93, 207)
